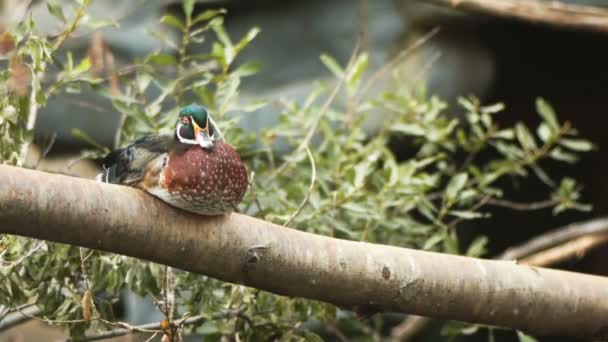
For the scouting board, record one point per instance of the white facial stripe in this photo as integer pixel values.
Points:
(182, 139)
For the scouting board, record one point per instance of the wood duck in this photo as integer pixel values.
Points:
(192, 169)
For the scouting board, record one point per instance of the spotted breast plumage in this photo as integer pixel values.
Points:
(192, 169)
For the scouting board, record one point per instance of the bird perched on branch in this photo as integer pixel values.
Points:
(192, 169)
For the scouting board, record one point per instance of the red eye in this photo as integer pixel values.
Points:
(185, 120)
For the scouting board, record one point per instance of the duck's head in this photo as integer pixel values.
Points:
(195, 127)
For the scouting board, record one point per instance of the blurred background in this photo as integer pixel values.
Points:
(493, 58)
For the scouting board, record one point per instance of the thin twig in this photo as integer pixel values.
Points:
(47, 148)
(27, 255)
(156, 327)
(522, 205)
(254, 194)
(425, 67)
(475, 207)
(313, 179)
(152, 336)
(313, 128)
(362, 22)
(50, 321)
(32, 114)
(127, 326)
(398, 59)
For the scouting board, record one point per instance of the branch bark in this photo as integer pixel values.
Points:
(356, 275)
(553, 13)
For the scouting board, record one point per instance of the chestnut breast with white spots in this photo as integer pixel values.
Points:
(208, 182)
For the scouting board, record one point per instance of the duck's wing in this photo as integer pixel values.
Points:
(128, 165)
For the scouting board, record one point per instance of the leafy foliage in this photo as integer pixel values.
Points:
(337, 180)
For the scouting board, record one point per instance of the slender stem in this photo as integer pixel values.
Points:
(155, 328)
(313, 178)
(32, 114)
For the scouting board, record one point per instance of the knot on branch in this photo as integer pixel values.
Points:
(253, 256)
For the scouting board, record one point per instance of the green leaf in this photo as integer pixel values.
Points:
(544, 132)
(509, 150)
(205, 95)
(69, 64)
(361, 171)
(393, 169)
(251, 34)
(332, 65)
(222, 36)
(226, 49)
(354, 207)
(409, 129)
(477, 248)
(453, 329)
(470, 106)
(311, 337)
(247, 69)
(451, 244)
(82, 67)
(467, 215)
(545, 110)
(188, 7)
(486, 119)
(525, 338)
(433, 241)
(208, 14)
(494, 108)
(162, 59)
(561, 155)
(542, 175)
(357, 70)
(142, 80)
(507, 134)
(226, 93)
(56, 11)
(169, 19)
(456, 184)
(253, 106)
(525, 138)
(579, 145)
(491, 337)
(99, 23)
(80, 134)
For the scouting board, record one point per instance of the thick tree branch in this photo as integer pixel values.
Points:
(245, 250)
(553, 13)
